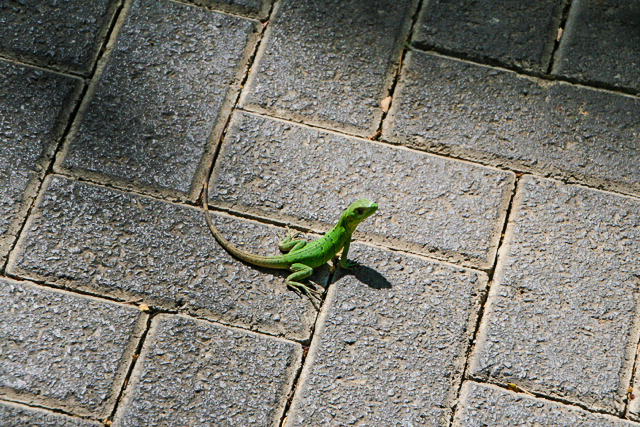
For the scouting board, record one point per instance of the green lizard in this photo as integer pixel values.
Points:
(302, 257)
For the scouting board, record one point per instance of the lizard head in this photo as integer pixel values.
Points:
(358, 212)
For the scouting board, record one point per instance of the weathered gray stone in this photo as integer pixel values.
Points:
(516, 33)
(601, 43)
(390, 349)
(427, 203)
(487, 405)
(34, 109)
(504, 119)
(252, 8)
(66, 35)
(199, 374)
(15, 415)
(162, 96)
(131, 247)
(562, 315)
(63, 350)
(329, 62)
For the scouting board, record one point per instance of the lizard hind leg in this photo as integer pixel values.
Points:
(299, 272)
(288, 244)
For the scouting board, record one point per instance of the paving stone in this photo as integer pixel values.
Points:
(486, 405)
(516, 33)
(14, 415)
(395, 333)
(199, 374)
(562, 316)
(329, 62)
(65, 34)
(34, 109)
(164, 93)
(63, 350)
(303, 175)
(601, 43)
(504, 119)
(131, 247)
(252, 8)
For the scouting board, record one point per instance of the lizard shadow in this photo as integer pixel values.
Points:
(365, 275)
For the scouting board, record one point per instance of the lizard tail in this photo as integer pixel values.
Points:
(262, 261)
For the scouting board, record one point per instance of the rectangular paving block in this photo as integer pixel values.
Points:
(131, 247)
(562, 316)
(487, 405)
(517, 33)
(15, 415)
(252, 8)
(429, 204)
(391, 346)
(504, 119)
(162, 98)
(34, 109)
(195, 373)
(329, 62)
(65, 35)
(601, 43)
(61, 350)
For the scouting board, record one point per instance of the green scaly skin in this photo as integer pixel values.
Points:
(302, 257)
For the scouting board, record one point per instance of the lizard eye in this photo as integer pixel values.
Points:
(360, 211)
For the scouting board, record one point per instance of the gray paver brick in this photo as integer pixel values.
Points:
(66, 35)
(601, 43)
(486, 405)
(391, 347)
(64, 350)
(498, 117)
(112, 243)
(164, 93)
(34, 109)
(199, 374)
(329, 62)
(15, 415)
(518, 33)
(562, 316)
(303, 175)
(253, 8)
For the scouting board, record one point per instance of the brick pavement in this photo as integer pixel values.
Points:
(498, 284)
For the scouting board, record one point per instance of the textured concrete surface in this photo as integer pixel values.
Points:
(430, 204)
(504, 119)
(329, 62)
(485, 405)
(34, 109)
(601, 43)
(66, 35)
(492, 31)
(163, 94)
(251, 8)
(15, 415)
(562, 316)
(130, 247)
(395, 333)
(200, 374)
(61, 350)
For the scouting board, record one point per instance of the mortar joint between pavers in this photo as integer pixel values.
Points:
(54, 410)
(561, 26)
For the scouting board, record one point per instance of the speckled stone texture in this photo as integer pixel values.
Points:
(131, 247)
(196, 373)
(34, 109)
(15, 415)
(329, 62)
(390, 348)
(601, 43)
(427, 203)
(164, 93)
(64, 34)
(562, 315)
(66, 351)
(252, 8)
(486, 405)
(516, 33)
(497, 117)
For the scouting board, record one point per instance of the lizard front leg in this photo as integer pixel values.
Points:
(344, 261)
(299, 272)
(287, 244)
